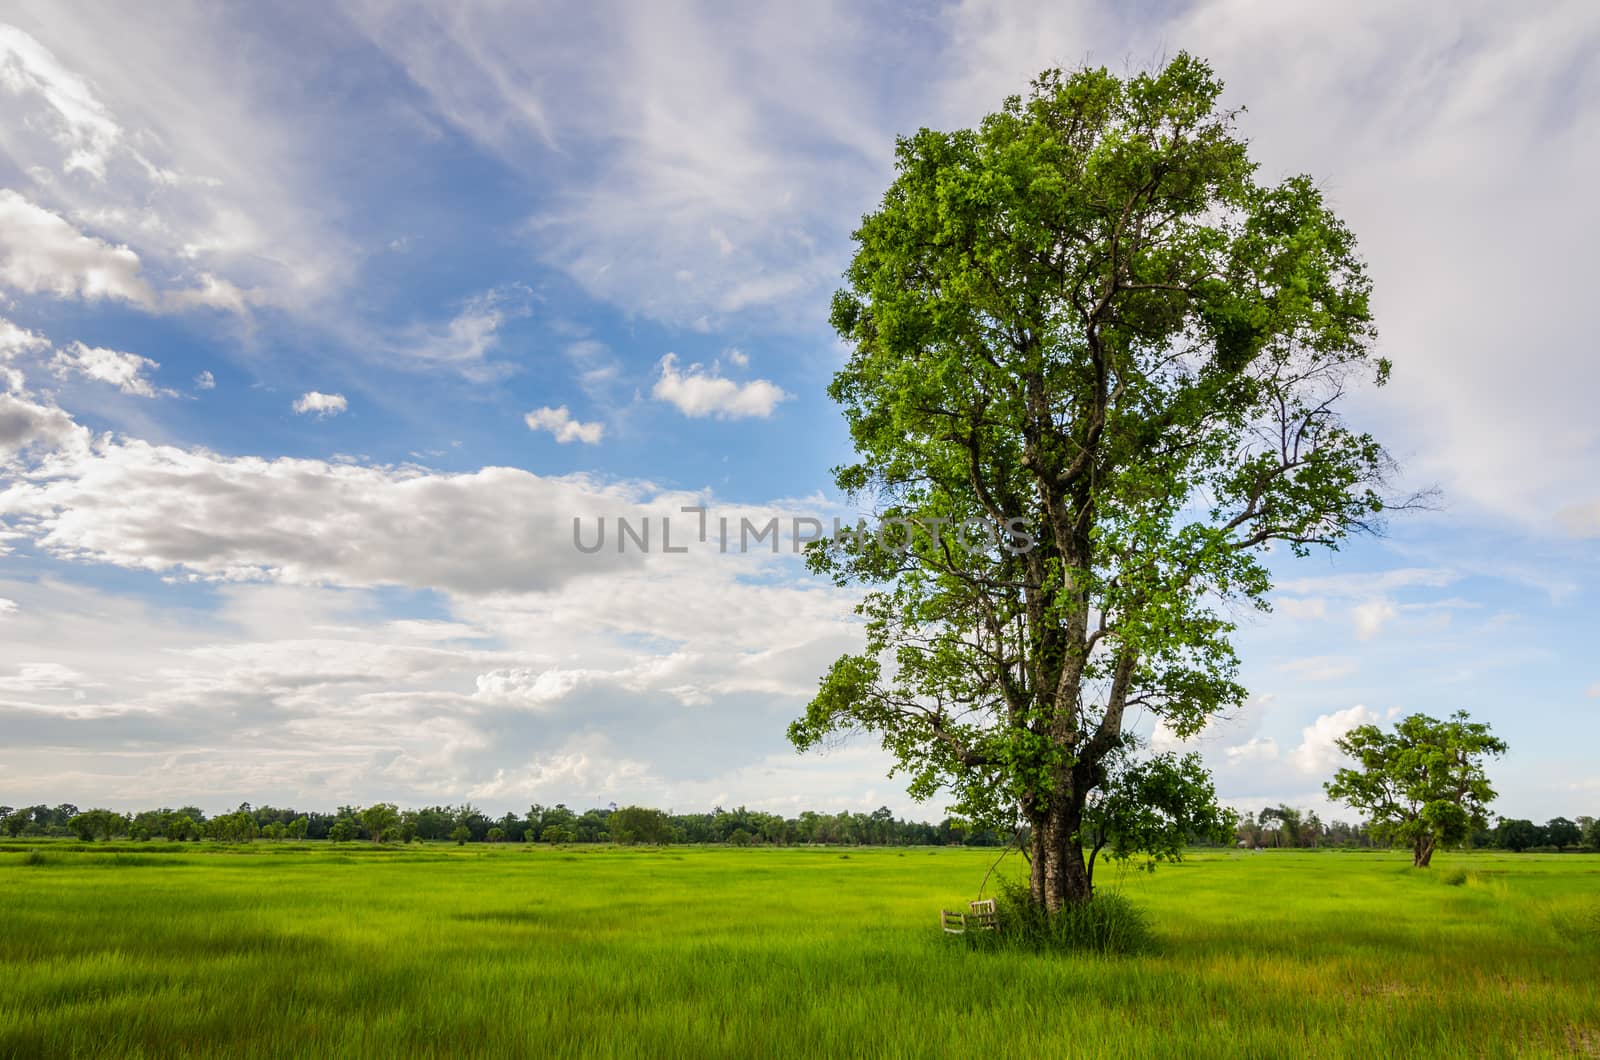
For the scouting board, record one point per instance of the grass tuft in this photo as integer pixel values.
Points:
(1109, 925)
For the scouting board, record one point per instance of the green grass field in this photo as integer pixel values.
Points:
(305, 950)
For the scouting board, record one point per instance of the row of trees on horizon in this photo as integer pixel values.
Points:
(1281, 826)
(467, 824)
(1273, 827)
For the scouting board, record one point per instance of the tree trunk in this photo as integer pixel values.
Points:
(1057, 874)
(1421, 853)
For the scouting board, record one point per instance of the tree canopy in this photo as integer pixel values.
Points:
(1156, 806)
(1096, 366)
(1423, 784)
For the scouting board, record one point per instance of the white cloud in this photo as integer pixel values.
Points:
(319, 404)
(738, 357)
(698, 392)
(25, 423)
(7, 607)
(205, 381)
(705, 188)
(309, 522)
(1423, 118)
(1254, 751)
(72, 116)
(191, 171)
(41, 253)
(1372, 616)
(1316, 753)
(15, 340)
(559, 422)
(125, 371)
(466, 340)
(42, 677)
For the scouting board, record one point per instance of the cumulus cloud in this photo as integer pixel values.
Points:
(16, 340)
(699, 392)
(319, 404)
(1257, 749)
(162, 508)
(205, 381)
(1316, 753)
(25, 423)
(41, 253)
(125, 371)
(559, 422)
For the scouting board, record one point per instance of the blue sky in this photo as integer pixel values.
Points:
(319, 331)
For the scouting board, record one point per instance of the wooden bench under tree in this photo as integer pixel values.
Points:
(980, 917)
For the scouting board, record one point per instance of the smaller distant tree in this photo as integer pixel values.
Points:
(497, 834)
(1561, 833)
(181, 826)
(461, 834)
(296, 828)
(342, 831)
(380, 819)
(16, 822)
(1155, 807)
(273, 830)
(83, 826)
(559, 833)
(1421, 785)
(638, 824)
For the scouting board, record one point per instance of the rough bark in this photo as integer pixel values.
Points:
(1058, 874)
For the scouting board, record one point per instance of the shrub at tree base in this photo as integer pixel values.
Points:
(1109, 925)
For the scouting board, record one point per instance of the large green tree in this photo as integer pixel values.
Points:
(1089, 323)
(1422, 785)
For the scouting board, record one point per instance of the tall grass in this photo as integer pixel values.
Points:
(275, 950)
(1112, 924)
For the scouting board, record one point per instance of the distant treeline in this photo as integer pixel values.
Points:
(1273, 827)
(466, 824)
(1286, 826)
